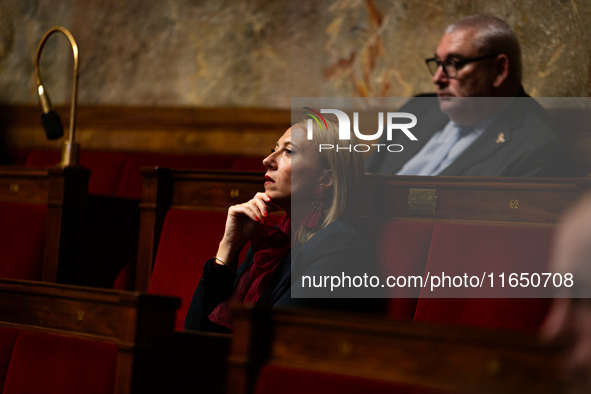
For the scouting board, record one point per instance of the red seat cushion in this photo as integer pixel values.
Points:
(7, 339)
(22, 240)
(125, 280)
(131, 182)
(401, 248)
(480, 248)
(276, 379)
(45, 364)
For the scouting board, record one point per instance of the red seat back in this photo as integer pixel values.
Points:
(7, 340)
(477, 248)
(130, 184)
(188, 240)
(22, 240)
(105, 167)
(401, 248)
(46, 364)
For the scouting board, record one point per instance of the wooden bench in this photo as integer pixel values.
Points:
(293, 351)
(60, 323)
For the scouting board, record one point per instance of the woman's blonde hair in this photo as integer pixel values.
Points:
(348, 173)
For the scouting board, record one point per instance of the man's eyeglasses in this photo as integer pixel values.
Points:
(451, 67)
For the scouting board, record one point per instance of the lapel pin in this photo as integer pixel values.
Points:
(501, 138)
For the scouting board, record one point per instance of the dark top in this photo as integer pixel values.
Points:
(334, 250)
(531, 145)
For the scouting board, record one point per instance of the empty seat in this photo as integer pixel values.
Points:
(480, 248)
(43, 363)
(22, 240)
(401, 248)
(7, 340)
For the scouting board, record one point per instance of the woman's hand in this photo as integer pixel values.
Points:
(241, 223)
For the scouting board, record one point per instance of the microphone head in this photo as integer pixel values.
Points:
(53, 125)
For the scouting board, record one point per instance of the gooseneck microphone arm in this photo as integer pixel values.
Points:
(50, 119)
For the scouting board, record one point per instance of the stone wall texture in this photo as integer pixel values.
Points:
(260, 53)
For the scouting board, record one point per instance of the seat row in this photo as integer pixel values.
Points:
(420, 223)
(58, 338)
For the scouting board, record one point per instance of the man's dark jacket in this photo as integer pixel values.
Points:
(522, 141)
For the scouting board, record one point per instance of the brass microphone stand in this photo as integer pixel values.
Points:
(70, 150)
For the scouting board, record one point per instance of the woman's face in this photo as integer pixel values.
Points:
(292, 151)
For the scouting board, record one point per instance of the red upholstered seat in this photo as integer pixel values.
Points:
(478, 248)
(47, 364)
(130, 184)
(401, 248)
(188, 240)
(22, 240)
(17, 156)
(248, 164)
(43, 158)
(7, 339)
(125, 280)
(276, 379)
(105, 167)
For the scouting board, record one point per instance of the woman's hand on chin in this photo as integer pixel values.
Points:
(241, 223)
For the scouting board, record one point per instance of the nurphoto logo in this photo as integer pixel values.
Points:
(345, 129)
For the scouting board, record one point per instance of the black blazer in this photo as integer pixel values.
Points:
(532, 146)
(332, 251)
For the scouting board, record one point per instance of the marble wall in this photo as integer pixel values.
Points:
(260, 53)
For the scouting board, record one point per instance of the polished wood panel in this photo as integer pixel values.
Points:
(447, 358)
(485, 200)
(222, 130)
(234, 131)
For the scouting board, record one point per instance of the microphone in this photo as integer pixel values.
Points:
(52, 124)
(50, 119)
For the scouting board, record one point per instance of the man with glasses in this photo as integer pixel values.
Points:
(481, 123)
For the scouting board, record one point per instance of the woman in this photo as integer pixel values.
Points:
(320, 193)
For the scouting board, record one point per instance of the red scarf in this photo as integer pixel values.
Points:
(271, 245)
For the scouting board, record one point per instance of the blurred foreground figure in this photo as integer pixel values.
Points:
(569, 319)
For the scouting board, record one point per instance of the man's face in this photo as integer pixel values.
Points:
(473, 80)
